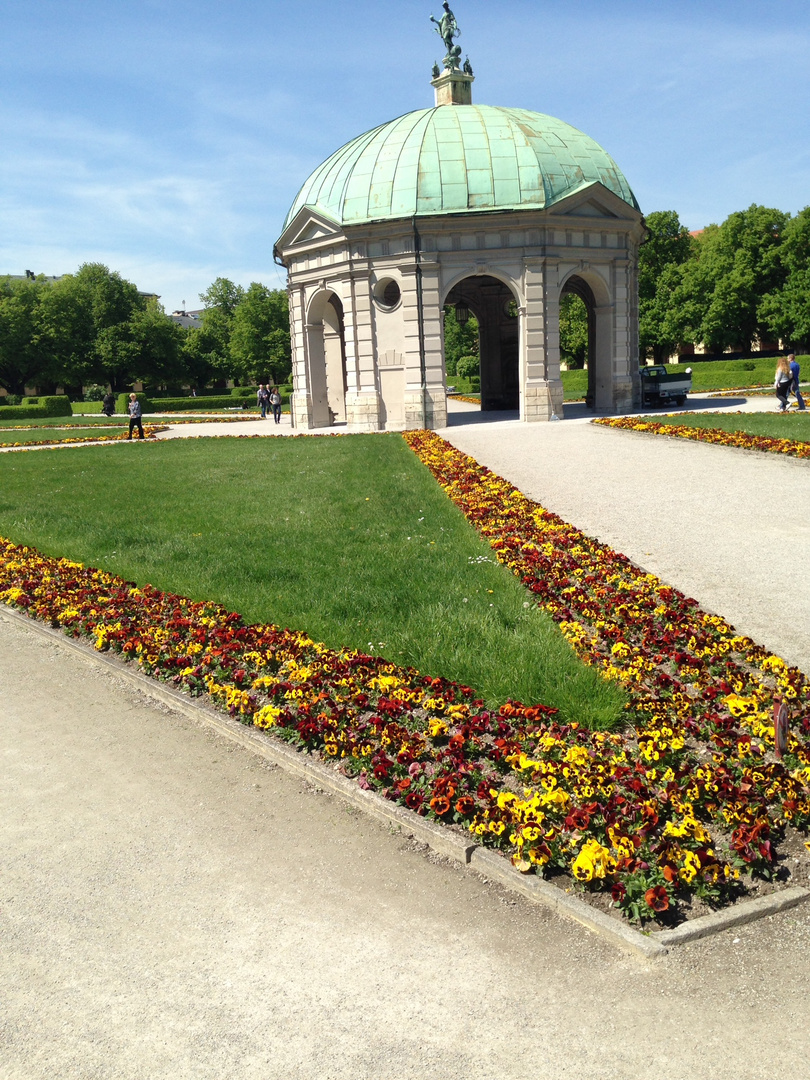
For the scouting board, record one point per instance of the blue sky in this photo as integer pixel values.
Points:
(168, 139)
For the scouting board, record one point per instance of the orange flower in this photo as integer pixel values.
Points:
(657, 898)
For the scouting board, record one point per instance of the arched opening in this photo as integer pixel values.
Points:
(577, 330)
(596, 329)
(326, 360)
(495, 308)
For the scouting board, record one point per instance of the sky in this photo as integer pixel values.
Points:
(168, 139)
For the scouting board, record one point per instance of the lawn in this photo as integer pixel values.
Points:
(778, 426)
(348, 538)
(59, 433)
(711, 375)
(730, 374)
(63, 422)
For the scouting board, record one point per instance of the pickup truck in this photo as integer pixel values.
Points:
(659, 387)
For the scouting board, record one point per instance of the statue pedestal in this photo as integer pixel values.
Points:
(453, 88)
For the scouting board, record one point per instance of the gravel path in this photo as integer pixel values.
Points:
(173, 909)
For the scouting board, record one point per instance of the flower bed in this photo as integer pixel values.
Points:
(679, 805)
(692, 795)
(148, 430)
(740, 439)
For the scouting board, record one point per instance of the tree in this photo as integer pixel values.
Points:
(260, 336)
(738, 264)
(26, 346)
(668, 247)
(146, 348)
(786, 310)
(223, 295)
(460, 339)
(573, 331)
(221, 300)
(89, 313)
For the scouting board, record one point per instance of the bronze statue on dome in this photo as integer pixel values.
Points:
(447, 28)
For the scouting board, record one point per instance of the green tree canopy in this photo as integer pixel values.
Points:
(27, 353)
(786, 310)
(221, 300)
(89, 316)
(737, 265)
(460, 339)
(667, 248)
(573, 331)
(260, 336)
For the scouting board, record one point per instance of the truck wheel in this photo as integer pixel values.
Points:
(682, 399)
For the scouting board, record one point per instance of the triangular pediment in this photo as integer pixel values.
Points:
(309, 227)
(594, 200)
(314, 230)
(592, 208)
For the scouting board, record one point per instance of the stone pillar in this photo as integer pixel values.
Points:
(300, 400)
(625, 338)
(362, 397)
(541, 394)
(424, 406)
(606, 360)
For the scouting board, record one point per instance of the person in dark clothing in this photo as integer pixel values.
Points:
(795, 370)
(275, 404)
(108, 403)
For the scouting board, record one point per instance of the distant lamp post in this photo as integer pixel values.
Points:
(462, 313)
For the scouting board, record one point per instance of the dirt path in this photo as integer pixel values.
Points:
(170, 907)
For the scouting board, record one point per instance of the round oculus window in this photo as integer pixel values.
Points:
(387, 293)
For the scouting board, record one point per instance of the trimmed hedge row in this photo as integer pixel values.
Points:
(198, 404)
(36, 408)
(181, 404)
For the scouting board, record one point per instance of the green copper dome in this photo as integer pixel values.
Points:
(454, 159)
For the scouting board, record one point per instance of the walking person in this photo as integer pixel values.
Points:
(794, 386)
(134, 409)
(275, 402)
(262, 399)
(782, 383)
(108, 404)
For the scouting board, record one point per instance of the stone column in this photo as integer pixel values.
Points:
(541, 394)
(424, 407)
(625, 340)
(362, 397)
(300, 399)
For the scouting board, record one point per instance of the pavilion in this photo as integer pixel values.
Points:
(489, 210)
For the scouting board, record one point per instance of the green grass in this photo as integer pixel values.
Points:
(348, 538)
(729, 374)
(575, 384)
(57, 433)
(713, 375)
(778, 426)
(63, 421)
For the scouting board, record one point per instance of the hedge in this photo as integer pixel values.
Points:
(249, 392)
(122, 403)
(198, 404)
(36, 408)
